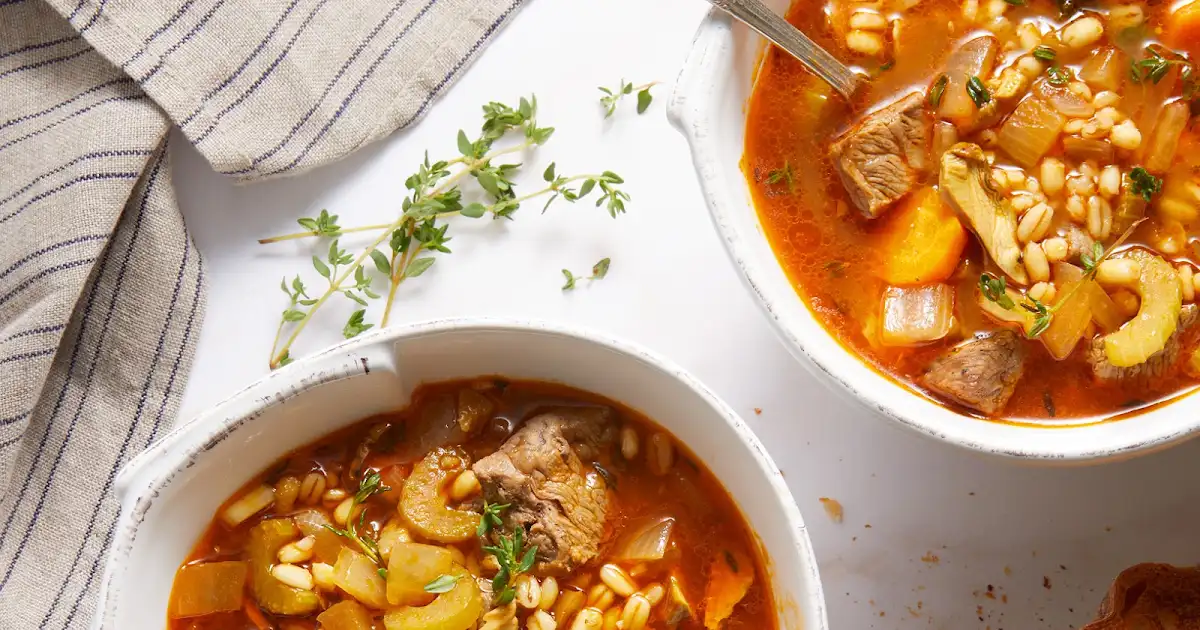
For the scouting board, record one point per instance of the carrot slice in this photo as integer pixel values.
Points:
(1183, 28)
(730, 578)
(922, 241)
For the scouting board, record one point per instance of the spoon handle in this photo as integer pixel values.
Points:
(757, 16)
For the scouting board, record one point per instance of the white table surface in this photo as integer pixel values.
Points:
(672, 288)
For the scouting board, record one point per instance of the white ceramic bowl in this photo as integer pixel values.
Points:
(169, 493)
(709, 107)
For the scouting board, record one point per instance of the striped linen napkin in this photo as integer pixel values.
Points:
(101, 288)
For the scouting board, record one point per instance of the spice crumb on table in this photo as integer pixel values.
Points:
(833, 508)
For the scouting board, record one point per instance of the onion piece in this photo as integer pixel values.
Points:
(1015, 317)
(1105, 69)
(974, 58)
(212, 587)
(359, 576)
(917, 315)
(345, 615)
(1071, 318)
(1104, 310)
(1082, 149)
(1067, 103)
(647, 542)
(248, 505)
(1160, 151)
(1031, 131)
(945, 135)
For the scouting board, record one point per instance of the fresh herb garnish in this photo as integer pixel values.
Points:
(1016, 3)
(1045, 53)
(491, 518)
(1153, 68)
(782, 174)
(613, 96)
(371, 485)
(995, 290)
(1090, 259)
(399, 250)
(1044, 315)
(938, 90)
(1144, 184)
(731, 561)
(599, 270)
(609, 479)
(442, 584)
(514, 559)
(977, 92)
(1058, 76)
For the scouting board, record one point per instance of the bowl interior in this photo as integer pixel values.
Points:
(709, 107)
(177, 495)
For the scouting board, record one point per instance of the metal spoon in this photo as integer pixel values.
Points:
(757, 16)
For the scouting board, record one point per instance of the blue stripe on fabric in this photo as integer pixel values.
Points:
(8, 3)
(260, 80)
(59, 169)
(49, 248)
(137, 229)
(21, 119)
(32, 47)
(159, 31)
(491, 29)
(90, 177)
(162, 59)
(43, 330)
(374, 66)
(45, 62)
(26, 355)
(78, 8)
(112, 473)
(12, 419)
(328, 88)
(95, 16)
(42, 274)
(254, 55)
(8, 443)
(115, 99)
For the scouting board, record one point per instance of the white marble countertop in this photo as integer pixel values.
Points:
(928, 529)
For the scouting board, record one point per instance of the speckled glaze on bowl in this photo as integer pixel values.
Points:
(169, 493)
(709, 108)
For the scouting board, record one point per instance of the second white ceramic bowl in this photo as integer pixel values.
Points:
(169, 493)
(709, 107)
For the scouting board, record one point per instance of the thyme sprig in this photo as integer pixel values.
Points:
(599, 270)
(612, 97)
(511, 554)
(514, 559)
(408, 246)
(371, 485)
(993, 288)
(783, 174)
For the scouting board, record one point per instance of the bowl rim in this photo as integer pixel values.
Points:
(140, 480)
(689, 111)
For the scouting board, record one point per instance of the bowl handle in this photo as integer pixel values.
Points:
(706, 45)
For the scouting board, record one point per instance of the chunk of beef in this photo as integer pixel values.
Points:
(1079, 242)
(881, 159)
(981, 374)
(558, 500)
(1159, 364)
